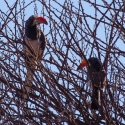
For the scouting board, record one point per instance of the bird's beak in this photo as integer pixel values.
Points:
(40, 20)
(82, 64)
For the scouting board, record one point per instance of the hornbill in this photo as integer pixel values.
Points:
(97, 75)
(34, 47)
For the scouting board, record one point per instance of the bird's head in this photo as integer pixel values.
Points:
(93, 62)
(34, 20)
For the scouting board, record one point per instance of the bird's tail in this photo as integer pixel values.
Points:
(94, 104)
(28, 82)
(32, 64)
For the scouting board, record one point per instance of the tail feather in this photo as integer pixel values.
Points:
(31, 65)
(28, 83)
(94, 104)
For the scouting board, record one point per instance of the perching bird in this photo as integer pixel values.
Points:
(97, 75)
(34, 47)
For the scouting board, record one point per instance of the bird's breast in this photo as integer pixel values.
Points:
(33, 48)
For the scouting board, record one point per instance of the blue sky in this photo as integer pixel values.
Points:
(87, 8)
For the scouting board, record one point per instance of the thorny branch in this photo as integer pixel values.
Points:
(60, 94)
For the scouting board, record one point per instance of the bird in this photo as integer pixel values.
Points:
(34, 46)
(97, 74)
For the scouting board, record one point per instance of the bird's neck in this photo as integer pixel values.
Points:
(31, 32)
(93, 70)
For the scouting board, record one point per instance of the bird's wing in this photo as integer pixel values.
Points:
(42, 43)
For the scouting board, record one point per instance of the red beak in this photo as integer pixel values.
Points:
(82, 64)
(42, 20)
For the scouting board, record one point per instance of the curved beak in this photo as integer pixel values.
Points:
(82, 64)
(40, 20)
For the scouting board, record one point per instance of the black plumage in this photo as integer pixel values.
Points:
(30, 29)
(97, 75)
(95, 64)
(95, 67)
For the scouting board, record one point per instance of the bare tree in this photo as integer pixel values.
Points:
(59, 93)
